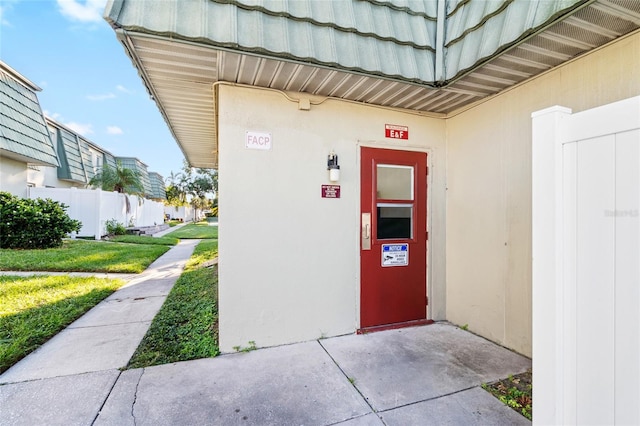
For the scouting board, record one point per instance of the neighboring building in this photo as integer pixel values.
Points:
(156, 182)
(271, 90)
(25, 143)
(37, 151)
(140, 168)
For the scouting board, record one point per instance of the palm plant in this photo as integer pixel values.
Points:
(120, 179)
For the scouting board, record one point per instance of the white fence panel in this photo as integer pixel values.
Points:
(586, 265)
(184, 213)
(94, 207)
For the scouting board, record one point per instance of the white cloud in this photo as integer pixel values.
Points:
(114, 130)
(122, 89)
(3, 20)
(83, 129)
(7, 6)
(82, 11)
(101, 97)
(53, 115)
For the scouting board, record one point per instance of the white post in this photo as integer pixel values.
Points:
(73, 207)
(547, 264)
(98, 210)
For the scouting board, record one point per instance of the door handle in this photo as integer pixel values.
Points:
(366, 231)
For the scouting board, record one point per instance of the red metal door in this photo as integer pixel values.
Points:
(393, 261)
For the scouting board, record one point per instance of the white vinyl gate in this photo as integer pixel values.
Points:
(586, 265)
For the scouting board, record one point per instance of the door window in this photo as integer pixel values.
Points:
(394, 187)
(394, 182)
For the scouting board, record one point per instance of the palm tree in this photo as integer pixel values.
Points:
(175, 190)
(120, 179)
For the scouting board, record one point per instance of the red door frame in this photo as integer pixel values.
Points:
(393, 297)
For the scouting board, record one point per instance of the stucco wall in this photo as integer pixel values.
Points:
(13, 177)
(48, 177)
(289, 259)
(489, 189)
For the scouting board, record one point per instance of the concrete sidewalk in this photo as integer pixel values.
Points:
(106, 336)
(415, 376)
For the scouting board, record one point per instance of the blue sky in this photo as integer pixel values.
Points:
(88, 82)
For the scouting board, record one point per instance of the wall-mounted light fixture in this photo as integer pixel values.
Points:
(333, 167)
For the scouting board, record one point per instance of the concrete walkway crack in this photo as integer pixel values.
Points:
(135, 398)
(366, 400)
(106, 398)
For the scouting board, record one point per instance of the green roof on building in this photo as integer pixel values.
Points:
(432, 56)
(23, 132)
(74, 156)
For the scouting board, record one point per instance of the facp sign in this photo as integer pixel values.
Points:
(257, 140)
(396, 132)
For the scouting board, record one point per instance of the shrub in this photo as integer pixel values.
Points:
(115, 228)
(33, 224)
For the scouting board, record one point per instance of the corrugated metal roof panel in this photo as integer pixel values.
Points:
(87, 158)
(310, 39)
(478, 30)
(328, 48)
(71, 157)
(23, 131)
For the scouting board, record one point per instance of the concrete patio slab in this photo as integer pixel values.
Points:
(471, 407)
(294, 384)
(71, 400)
(399, 367)
(366, 420)
(119, 409)
(79, 350)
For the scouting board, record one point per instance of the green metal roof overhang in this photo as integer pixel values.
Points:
(429, 56)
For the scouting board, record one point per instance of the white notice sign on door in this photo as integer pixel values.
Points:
(395, 254)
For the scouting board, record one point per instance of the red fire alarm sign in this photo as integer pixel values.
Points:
(394, 131)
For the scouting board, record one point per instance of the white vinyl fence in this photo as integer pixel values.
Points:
(586, 265)
(184, 213)
(94, 207)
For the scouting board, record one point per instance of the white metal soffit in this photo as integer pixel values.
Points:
(180, 74)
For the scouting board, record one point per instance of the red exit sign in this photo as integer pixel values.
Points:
(394, 131)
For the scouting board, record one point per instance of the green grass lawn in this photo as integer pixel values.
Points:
(200, 230)
(139, 239)
(81, 255)
(34, 309)
(186, 327)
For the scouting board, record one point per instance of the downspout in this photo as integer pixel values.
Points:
(439, 75)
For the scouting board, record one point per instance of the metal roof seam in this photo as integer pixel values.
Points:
(318, 23)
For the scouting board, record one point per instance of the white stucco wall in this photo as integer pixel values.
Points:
(289, 259)
(489, 189)
(46, 176)
(13, 177)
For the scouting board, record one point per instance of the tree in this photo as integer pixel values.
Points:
(120, 179)
(176, 194)
(195, 186)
